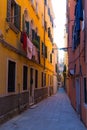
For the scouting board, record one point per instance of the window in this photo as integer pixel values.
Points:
(25, 72)
(49, 32)
(56, 68)
(33, 34)
(85, 91)
(27, 26)
(48, 11)
(36, 79)
(13, 14)
(45, 2)
(45, 26)
(43, 79)
(46, 51)
(11, 76)
(43, 49)
(51, 80)
(50, 58)
(32, 1)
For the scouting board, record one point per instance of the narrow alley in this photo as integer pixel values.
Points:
(53, 113)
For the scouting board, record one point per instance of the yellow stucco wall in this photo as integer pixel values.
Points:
(14, 39)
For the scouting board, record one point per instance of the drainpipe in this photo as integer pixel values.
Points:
(44, 34)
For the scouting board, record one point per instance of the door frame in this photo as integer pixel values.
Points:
(31, 89)
(78, 98)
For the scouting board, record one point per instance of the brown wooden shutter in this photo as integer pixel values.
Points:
(46, 51)
(50, 58)
(8, 10)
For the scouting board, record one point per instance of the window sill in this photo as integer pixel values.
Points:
(33, 6)
(12, 26)
(37, 15)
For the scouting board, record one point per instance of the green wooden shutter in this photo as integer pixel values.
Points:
(17, 16)
(38, 38)
(27, 27)
(8, 10)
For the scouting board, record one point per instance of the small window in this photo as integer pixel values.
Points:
(45, 26)
(49, 32)
(50, 58)
(42, 79)
(45, 2)
(25, 73)
(46, 51)
(43, 49)
(85, 91)
(11, 76)
(56, 68)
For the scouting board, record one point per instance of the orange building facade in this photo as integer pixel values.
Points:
(77, 60)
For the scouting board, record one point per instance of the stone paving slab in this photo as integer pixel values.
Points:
(53, 113)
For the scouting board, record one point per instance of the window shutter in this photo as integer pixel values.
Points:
(45, 51)
(38, 39)
(8, 10)
(27, 27)
(25, 70)
(33, 34)
(49, 32)
(17, 16)
(50, 58)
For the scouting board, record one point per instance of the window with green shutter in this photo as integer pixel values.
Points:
(13, 15)
(17, 16)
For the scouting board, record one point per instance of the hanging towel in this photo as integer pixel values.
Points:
(29, 48)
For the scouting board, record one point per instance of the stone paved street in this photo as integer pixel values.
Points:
(53, 113)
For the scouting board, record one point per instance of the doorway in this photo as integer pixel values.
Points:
(31, 95)
(78, 95)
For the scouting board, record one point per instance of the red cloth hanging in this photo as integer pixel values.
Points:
(23, 39)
